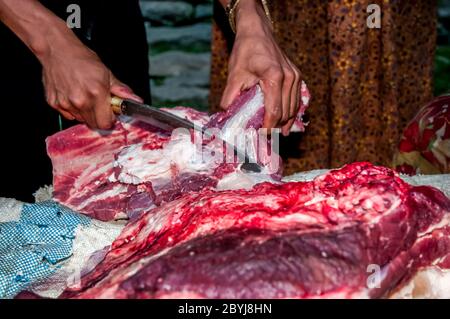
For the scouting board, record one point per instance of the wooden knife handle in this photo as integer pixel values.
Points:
(116, 104)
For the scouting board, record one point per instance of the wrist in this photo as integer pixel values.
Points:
(45, 34)
(52, 36)
(38, 28)
(251, 17)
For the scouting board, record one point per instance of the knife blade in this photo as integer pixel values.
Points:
(169, 121)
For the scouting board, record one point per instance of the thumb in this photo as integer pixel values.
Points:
(232, 90)
(237, 82)
(122, 90)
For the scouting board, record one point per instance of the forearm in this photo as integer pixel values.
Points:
(224, 3)
(35, 25)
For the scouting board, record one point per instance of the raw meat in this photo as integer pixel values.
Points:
(294, 240)
(124, 172)
(200, 228)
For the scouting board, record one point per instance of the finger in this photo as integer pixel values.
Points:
(295, 93)
(67, 115)
(288, 83)
(294, 102)
(286, 129)
(272, 88)
(50, 97)
(102, 110)
(88, 117)
(122, 90)
(65, 109)
(237, 83)
(53, 100)
(81, 103)
(104, 116)
(232, 90)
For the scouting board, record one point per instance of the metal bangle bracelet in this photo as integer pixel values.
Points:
(231, 12)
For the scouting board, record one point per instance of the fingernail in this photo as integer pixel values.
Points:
(125, 89)
(223, 105)
(137, 98)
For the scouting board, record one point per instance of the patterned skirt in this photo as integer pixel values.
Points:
(366, 82)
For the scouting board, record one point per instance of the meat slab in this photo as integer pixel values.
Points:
(318, 239)
(203, 229)
(123, 172)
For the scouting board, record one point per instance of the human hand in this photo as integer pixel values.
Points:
(76, 82)
(257, 59)
(79, 85)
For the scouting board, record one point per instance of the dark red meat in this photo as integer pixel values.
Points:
(294, 240)
(187, 239)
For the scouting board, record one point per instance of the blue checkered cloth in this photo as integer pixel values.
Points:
(32, 248)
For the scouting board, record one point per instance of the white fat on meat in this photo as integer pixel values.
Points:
(139, 165)
(239, 121)
(429, 283)
(242, 180)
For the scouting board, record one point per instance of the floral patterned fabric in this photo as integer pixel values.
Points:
(425, 145)
(366, 84)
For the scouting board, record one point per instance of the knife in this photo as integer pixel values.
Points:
(169, 121)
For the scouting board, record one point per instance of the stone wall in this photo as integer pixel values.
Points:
(442, 62)
(179, 36)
